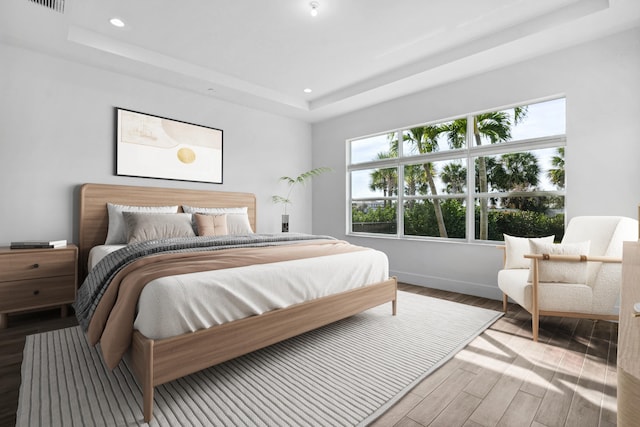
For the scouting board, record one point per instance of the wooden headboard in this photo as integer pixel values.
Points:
(94, 219)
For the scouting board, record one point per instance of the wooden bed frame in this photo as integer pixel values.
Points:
(156, 362)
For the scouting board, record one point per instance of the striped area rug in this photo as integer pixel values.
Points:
(344, 374)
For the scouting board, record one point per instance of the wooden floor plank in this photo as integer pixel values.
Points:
(494, 359)
(457, 412)
(585, 407)
(557, 400)
(497, 401)
(429, 408)
(547, 358)
(521, 410)
(436, 378)
(608, 406)
(407, 422)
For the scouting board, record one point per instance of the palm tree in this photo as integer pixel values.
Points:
(414, 182)
(496, 127)
(385, 179)
(454, 175)
(556, 175)
(516, 172)
(424, 139)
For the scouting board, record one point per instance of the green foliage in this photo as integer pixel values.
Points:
(305, 176)
(455, 214)
(556, 174)
(420, 220)
(523, 224)
(380, 214)
(374, 219)
(300, 179)
(280, 199)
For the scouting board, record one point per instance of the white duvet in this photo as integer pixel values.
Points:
(174, 305)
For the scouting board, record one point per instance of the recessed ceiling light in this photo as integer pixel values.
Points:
(314, 8)
(307, 90)
(117, 22)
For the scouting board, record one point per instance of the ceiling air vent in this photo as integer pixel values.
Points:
(57, 5)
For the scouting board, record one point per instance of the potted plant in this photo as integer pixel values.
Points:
(300, 179)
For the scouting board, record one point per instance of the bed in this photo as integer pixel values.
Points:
(158, 361)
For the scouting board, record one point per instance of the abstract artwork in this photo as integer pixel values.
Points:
(155, 147)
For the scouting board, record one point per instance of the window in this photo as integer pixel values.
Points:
(422, 186)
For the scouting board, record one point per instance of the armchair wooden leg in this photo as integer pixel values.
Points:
(535, 322)
(505, 299)
(535, 312)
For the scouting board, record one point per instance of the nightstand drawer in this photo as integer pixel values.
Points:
(26, 264)
(27, 294)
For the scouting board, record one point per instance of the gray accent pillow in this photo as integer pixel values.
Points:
(151, 226)
(117, 232)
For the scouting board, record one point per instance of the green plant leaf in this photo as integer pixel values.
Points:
(300, 179)
(303, 177)
(289, 180)
(280, 199)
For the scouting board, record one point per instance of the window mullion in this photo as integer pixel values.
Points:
(400, 202)
(471, 184)
(349, 210)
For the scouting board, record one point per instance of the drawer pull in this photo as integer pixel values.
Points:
(36, 265)
(36, 292)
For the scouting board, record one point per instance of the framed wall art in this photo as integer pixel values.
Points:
(156, 147)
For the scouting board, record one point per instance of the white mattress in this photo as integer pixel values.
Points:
(174, 305)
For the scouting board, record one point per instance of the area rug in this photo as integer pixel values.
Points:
(344, 374)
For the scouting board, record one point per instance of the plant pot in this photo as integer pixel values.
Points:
(285, 223)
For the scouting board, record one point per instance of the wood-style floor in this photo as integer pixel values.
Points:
(502, 378)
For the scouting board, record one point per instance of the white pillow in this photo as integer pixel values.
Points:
(143, 226)
(237, 218)
(117, 232)
(557, 271)
(518, 247)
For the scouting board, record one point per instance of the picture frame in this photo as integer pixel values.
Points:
(150, 146)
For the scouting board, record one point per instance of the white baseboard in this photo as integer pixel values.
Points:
(446, 284)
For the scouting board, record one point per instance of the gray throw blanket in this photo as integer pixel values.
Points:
(100, 276)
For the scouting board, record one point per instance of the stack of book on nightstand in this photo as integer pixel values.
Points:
(38, 244)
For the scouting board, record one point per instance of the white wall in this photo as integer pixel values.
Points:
(601, 84)
(57, 126)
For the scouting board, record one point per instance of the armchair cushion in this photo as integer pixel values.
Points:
(559, 271)
(517, 247)
(564, 297)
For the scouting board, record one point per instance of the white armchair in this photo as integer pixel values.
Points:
(562, 280)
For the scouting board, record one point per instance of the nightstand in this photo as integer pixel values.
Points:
(37, 278)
